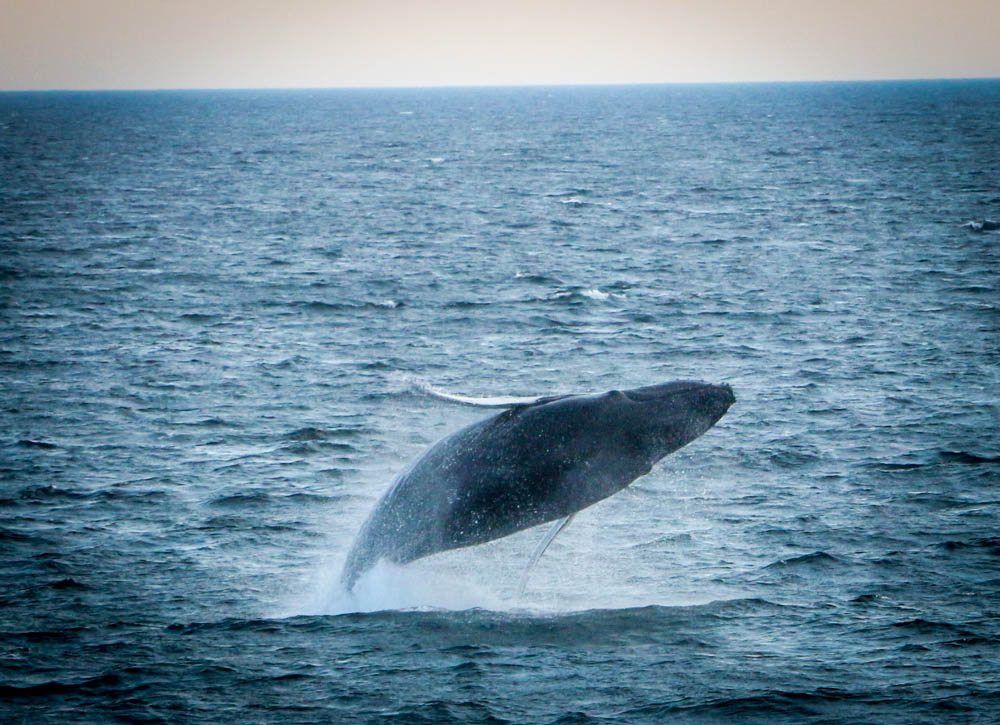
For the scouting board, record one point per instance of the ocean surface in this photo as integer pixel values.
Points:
(220, 312)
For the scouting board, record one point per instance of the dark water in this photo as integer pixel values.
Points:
(218, 310)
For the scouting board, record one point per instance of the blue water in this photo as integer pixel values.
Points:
(220, 311)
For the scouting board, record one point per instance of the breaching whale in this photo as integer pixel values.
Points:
(537, 461)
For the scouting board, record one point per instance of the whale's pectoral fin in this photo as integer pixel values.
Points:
(494, 402)
(540, 549)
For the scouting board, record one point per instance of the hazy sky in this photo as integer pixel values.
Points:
(48, 44)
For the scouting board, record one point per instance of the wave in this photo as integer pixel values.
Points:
(983, 225)
(310, 433)
(569, 297)
(813, 560)
(770, 703)
(320, 307)
(15, 536)
(965, 457)
(926, 626)
(792, 456)
(310, 448)
(198, 318)
(580, 295)
(41, 493)
(41, 445)
(535, 278)
(936, 458)
(491, 627)
(569, 193)
(67, 583)
(990, 543)
(107, 683)
(256, 498)
(213, 422)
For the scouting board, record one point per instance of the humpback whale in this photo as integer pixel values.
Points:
(539, 460)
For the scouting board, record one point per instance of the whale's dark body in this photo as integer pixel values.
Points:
(530, 464)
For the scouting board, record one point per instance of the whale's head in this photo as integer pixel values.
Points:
(671, 415)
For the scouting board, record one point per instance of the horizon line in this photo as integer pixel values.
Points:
(487, 86)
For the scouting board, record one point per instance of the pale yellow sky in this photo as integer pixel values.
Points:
(98, 44)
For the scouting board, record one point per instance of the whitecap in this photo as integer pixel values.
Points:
(986, 225)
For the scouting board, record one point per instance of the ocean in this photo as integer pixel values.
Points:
(221, 312)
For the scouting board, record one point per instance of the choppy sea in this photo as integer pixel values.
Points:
(219, 312)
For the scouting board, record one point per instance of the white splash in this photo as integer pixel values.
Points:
(391, 587)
